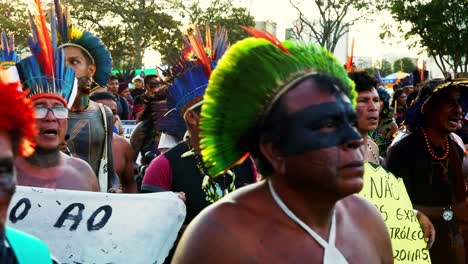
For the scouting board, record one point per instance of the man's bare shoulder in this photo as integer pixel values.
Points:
(245, 204)
(76, 163)
(368, 221)
(234, 217)
(81, 172)
(122, 143)
(92, 106)
(357, 206)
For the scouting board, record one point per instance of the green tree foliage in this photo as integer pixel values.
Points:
(14, 20)
(404, 64)
(218, 12)
(440, 26)
(385, 68)
(128, 27)
(332, 21)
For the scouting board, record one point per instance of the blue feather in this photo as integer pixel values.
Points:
(190, 81)
(34, 77)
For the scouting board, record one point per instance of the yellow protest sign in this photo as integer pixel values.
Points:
(389, 195)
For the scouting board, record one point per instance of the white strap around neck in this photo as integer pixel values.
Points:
(332, 255)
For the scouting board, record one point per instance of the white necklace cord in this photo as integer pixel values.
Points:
(335, 254)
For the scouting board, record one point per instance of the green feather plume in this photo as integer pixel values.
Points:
(247, 78)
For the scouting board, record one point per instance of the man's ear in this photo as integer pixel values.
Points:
(192, 118)
(91, 70)
(274, 156)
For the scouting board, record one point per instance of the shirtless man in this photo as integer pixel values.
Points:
(121, 149)
(92, 63)
(48, 167)
(306, 210)
(17, 134)
(52, 92)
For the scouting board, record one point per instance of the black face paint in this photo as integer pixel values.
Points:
(320, 126)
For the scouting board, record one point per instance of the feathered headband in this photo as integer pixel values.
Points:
(91, 45)
(172, 122)
(17, 116)
(191, 72)
(8, 55)
(414, 116)
(45, 73)
(251, 75)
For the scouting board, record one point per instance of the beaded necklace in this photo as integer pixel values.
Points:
(212, 189)
(373, 154)
(429, 148)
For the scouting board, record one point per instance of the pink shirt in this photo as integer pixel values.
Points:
(159, 173)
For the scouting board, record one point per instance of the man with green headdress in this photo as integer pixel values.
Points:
(288, 105)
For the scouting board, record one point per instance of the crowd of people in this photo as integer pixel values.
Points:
(264, 142)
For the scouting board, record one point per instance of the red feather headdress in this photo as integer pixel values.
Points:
(17, 116)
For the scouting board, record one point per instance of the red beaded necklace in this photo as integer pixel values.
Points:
(429, 148)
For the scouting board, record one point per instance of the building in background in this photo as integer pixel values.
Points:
(268, 26)
(363, 62)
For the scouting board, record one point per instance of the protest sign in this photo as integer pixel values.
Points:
(128, 126)
(389, 195)
(91, 227)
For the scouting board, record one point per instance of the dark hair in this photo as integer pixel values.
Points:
(385, 97)
(271, 129)
(149, 77)
(363, 81)
(122, 87)
(113, 77)
(102, 96)
(396, 94)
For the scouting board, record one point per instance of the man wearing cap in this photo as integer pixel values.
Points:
(154, 91)
(139, 87)
(286, 104)
(429, 160)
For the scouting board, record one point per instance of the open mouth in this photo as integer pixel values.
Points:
(455, 121)
(49, 132)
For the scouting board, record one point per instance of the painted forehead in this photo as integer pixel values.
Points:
(340, 109)
(310, 92)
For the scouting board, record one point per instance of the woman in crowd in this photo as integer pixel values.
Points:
(399, 106)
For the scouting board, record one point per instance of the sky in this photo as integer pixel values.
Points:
(366, 34)
(367, 40)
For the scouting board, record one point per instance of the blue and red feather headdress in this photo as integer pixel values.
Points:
(45, 73)
(192, 71)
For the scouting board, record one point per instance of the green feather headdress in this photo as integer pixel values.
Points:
(247, 79)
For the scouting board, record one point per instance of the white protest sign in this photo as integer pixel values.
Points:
(91, 227)
(128, 126)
